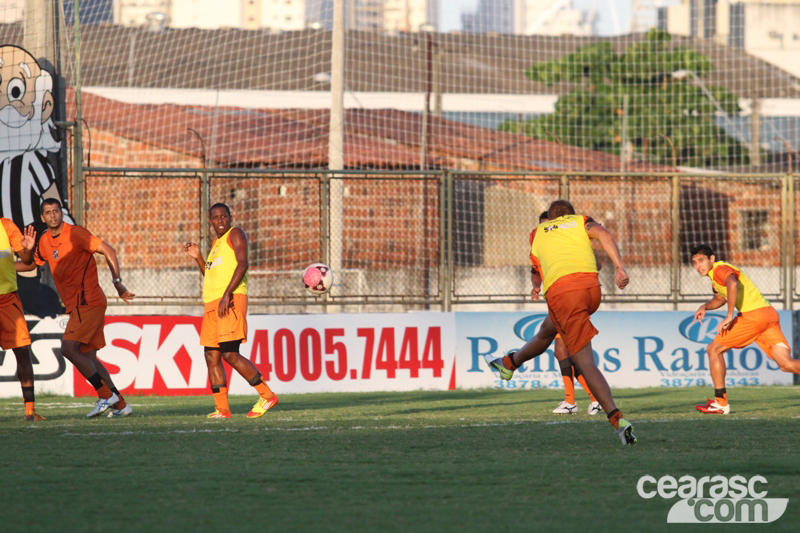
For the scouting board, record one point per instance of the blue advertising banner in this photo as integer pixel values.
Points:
(633, 349)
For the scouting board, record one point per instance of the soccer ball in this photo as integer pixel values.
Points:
(318, 278)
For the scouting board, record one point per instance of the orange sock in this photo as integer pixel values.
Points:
(121, 404)
(614, 418)
(104, 392)
(221, 400)
(508, 363)
(29, 408)
(264, 391)
(582, 381)
(569, 389)
(721, 401)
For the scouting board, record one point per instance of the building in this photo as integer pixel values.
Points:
(768, 30)
(529, 17)
(409, 15)
(208, 14)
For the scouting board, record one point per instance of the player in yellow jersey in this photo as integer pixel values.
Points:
(14, 333)
(562, 255)
(569, 373)
(224, 325)
(757, 322)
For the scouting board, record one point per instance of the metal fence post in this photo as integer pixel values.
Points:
(675, 279)
(789, 242)
(450, 266)
(205, 199)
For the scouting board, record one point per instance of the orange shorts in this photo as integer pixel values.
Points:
(761, 326)
(85, 325)
(13, 328)
(232, 327)
(570, 312)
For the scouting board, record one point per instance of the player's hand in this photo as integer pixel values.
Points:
(700, 314)
(536, 293)
(124, 293)
(725, 325)
(225, 304)
(29, 238)
(192, 249)
(622, 278)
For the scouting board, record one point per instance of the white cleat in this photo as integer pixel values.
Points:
(102, 405)
(117, 413)
(565, 408)
(594, 408)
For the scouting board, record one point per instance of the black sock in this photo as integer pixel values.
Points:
(566, 367)
(720, 393)
(96, 381)
(27, 394)
(612, 413)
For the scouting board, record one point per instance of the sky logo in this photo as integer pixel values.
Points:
(526, 328)
(702, 332)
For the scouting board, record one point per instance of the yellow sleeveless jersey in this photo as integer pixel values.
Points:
(563, 247)
(220, 265)
(748, 297)
(8, 274)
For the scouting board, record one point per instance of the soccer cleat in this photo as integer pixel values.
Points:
(218, 414)
(262, 406)
(565, 408)
(594, 408)
(118, 413)
(625, 433)
(496, 363)
(713, 408)
(34, 417)
(102, 405)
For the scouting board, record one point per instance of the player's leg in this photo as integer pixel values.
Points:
(249, 371)
(568, 406)
(783, 356)
(218, 381)
(583, 359)
(536, 346)
(594, 405)
(25, 376)
(71, 350)
(716, 365)
(121, 407)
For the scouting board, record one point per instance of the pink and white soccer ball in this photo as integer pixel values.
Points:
(318, 278)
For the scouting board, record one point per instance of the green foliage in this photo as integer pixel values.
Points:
(593, 114)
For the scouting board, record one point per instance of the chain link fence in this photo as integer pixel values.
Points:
(437, 240)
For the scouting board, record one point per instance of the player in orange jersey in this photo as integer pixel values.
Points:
(224, 325)
(757, 322)
(569, 372)
(14, 333)
(69, 250)
(562, 255)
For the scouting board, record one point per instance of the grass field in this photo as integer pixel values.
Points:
(418, 461)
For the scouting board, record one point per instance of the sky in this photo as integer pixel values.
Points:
(451, 13)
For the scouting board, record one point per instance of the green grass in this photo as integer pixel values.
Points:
(416, 461)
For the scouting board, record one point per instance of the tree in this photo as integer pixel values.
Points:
(593, 114)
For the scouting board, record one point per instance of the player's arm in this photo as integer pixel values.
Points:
(28, 243)
(20, 266)
(239, 244)
(113, 264)
(714, 303)
(193, 251)
(732, 284)
(609, 244)
(536, 278)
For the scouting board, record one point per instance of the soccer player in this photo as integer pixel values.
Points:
(14, 333)
(562, 255)
(568, 371)
(69, 250)
(757, 322)
(224, 325)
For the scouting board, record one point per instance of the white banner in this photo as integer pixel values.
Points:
(633, 349)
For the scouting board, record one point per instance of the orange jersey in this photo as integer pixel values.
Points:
(71, 260)
(748, 297)
(561, 247)
(10, 243)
